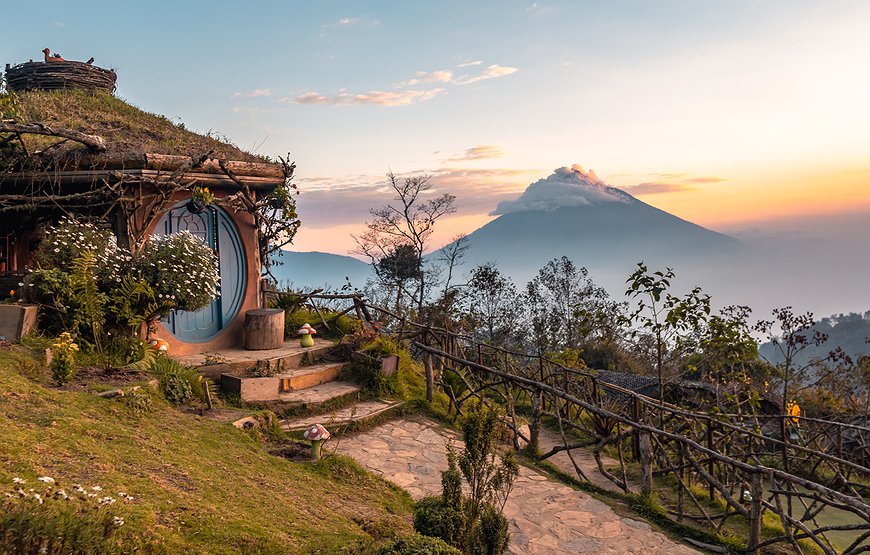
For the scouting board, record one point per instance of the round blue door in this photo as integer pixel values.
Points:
(216, 230)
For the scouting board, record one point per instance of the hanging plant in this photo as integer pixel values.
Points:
(200, 199)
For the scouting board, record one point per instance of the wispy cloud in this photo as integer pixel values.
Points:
(470, 64)
(354, 22)
(700, 180)
(336, 201)
(655, 188)
(480, 152)
(671, 183)
(256, 93)
(491, 72)
(59, 24)
(438, 76)
(405, 96)
(379, 98)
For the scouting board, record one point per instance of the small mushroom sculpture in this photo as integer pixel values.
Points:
(316, 434)
(307, 334)
(159, 344)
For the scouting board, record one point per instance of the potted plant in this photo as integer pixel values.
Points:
(200, 199)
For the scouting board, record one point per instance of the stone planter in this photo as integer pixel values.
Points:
(16, 320)
(389, 365)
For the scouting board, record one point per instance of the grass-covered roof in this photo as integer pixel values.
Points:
(126, 128)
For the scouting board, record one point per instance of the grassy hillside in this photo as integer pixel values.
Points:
(198, 485)
(125, 127)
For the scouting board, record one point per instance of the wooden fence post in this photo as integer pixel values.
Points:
(635, 435)
(207, 393)
(710, 466)
(535, 425)
(430, 378)
(646, 474)
(784, 424)
(756, 514)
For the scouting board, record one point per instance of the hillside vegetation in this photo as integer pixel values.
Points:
(196, 484)
(125, 127)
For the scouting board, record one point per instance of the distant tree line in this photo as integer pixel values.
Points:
(653, 330)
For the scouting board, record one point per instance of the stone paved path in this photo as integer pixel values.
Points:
(546, 517)
(582, 457)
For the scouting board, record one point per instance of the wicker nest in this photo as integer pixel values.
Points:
(49, 76)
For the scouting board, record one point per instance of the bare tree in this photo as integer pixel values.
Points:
(790, 335)
(451, 255)
(409, 221)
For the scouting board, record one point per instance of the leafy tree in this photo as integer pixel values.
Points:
(491, 305)
(561, 299)
(672, 323)
(408, 222)
(729, 359)
(397, 268)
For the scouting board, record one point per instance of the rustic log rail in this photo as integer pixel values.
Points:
(799, 470)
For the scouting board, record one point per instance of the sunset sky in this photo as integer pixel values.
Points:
(731, 114)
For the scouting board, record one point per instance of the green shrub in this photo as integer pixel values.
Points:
(381, 346)
(178, 383)
(63, 359)
(489, 535)
(176, 389)
(433, 517)
(475, 523)
(139, 401)
(181, 270)
(418, 545)
(444, 516)
(91, 283)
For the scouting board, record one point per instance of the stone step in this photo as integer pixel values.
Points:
(236, 361)
(358, 412)
(318, 394)
(274, 388)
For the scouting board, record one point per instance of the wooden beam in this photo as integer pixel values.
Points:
(95, 143)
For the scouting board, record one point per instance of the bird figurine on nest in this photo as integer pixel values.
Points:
(52, 58)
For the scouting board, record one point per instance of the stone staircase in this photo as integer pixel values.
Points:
(300, 381)
(288, 375)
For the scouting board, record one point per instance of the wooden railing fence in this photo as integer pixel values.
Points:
(811, 474)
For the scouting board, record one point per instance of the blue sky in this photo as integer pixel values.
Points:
(726, 113)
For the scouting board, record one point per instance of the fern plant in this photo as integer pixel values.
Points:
(91, 303)
(134, 303)
(170, 373)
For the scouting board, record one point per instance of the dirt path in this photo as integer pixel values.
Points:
(546, 517)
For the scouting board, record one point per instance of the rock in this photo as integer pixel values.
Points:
(524, 431)
(111, 394)
(246, 423)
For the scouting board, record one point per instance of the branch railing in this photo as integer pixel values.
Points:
(708, 468)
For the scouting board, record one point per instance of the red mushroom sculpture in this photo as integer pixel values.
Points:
(316, 434)
(160, 344)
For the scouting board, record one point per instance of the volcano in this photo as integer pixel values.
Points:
(573, 213)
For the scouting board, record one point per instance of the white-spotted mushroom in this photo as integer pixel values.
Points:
(316, 434)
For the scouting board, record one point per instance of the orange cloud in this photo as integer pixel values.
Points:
(379, 98)
(480, 152)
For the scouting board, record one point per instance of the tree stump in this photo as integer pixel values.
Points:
(264, 329)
